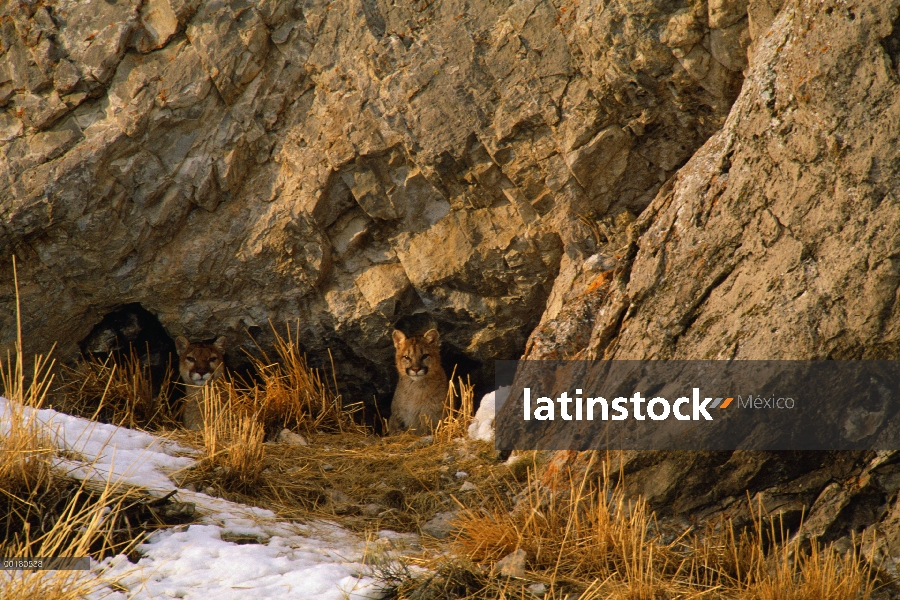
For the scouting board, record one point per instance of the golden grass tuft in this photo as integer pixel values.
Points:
(232, 436)
(792, 569)
(293, 395)
(815, 574)
(117, 391)
(24, 450)
(590, 541)
(48, 585)
(459, 414)
(582, 532)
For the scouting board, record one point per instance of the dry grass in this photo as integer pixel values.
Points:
(44, 513)
(89, 521)
(588, 540)
(294, 395)
(819, 574)
(48, 585)
(24, 451)
(59, 541)
(233, 437)
(368, 482)
(116, 391)
(286, 393)
(574, 536)
(459, 414)
(792, 570)
(238, 416)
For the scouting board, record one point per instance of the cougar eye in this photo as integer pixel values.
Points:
(213, 359)
(189, 358)
(424, 356)
(406, 358)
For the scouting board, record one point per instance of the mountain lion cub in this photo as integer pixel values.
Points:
(198, 364)
(419, 399)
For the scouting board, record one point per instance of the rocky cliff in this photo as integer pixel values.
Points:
(350, 166)
(779, 239)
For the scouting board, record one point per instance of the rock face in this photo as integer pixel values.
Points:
(350, 166)
(779, 239)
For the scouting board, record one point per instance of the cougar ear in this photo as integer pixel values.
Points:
(219, 344)
(399, 338)
(181, 344)
(431, 336)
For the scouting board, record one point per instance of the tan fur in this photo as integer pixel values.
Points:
(419, 398)
(198, 364)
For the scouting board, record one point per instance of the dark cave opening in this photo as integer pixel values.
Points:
(131, 327)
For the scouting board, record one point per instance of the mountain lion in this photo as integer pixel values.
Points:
(198, 363)
(419, 399)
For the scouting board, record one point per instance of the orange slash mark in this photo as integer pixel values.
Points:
(726, 403)
(600, 281)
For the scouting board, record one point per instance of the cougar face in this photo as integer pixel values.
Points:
(416, 355)
(200, 363)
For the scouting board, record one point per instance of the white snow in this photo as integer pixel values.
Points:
(303, 561)
(482, 427)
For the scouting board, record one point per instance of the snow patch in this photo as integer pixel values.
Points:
(482, 427)
(318, 560)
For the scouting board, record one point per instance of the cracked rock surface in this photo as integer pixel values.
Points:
(779, 239)
(348, 166)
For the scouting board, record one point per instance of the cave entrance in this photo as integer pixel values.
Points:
(133, 328)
